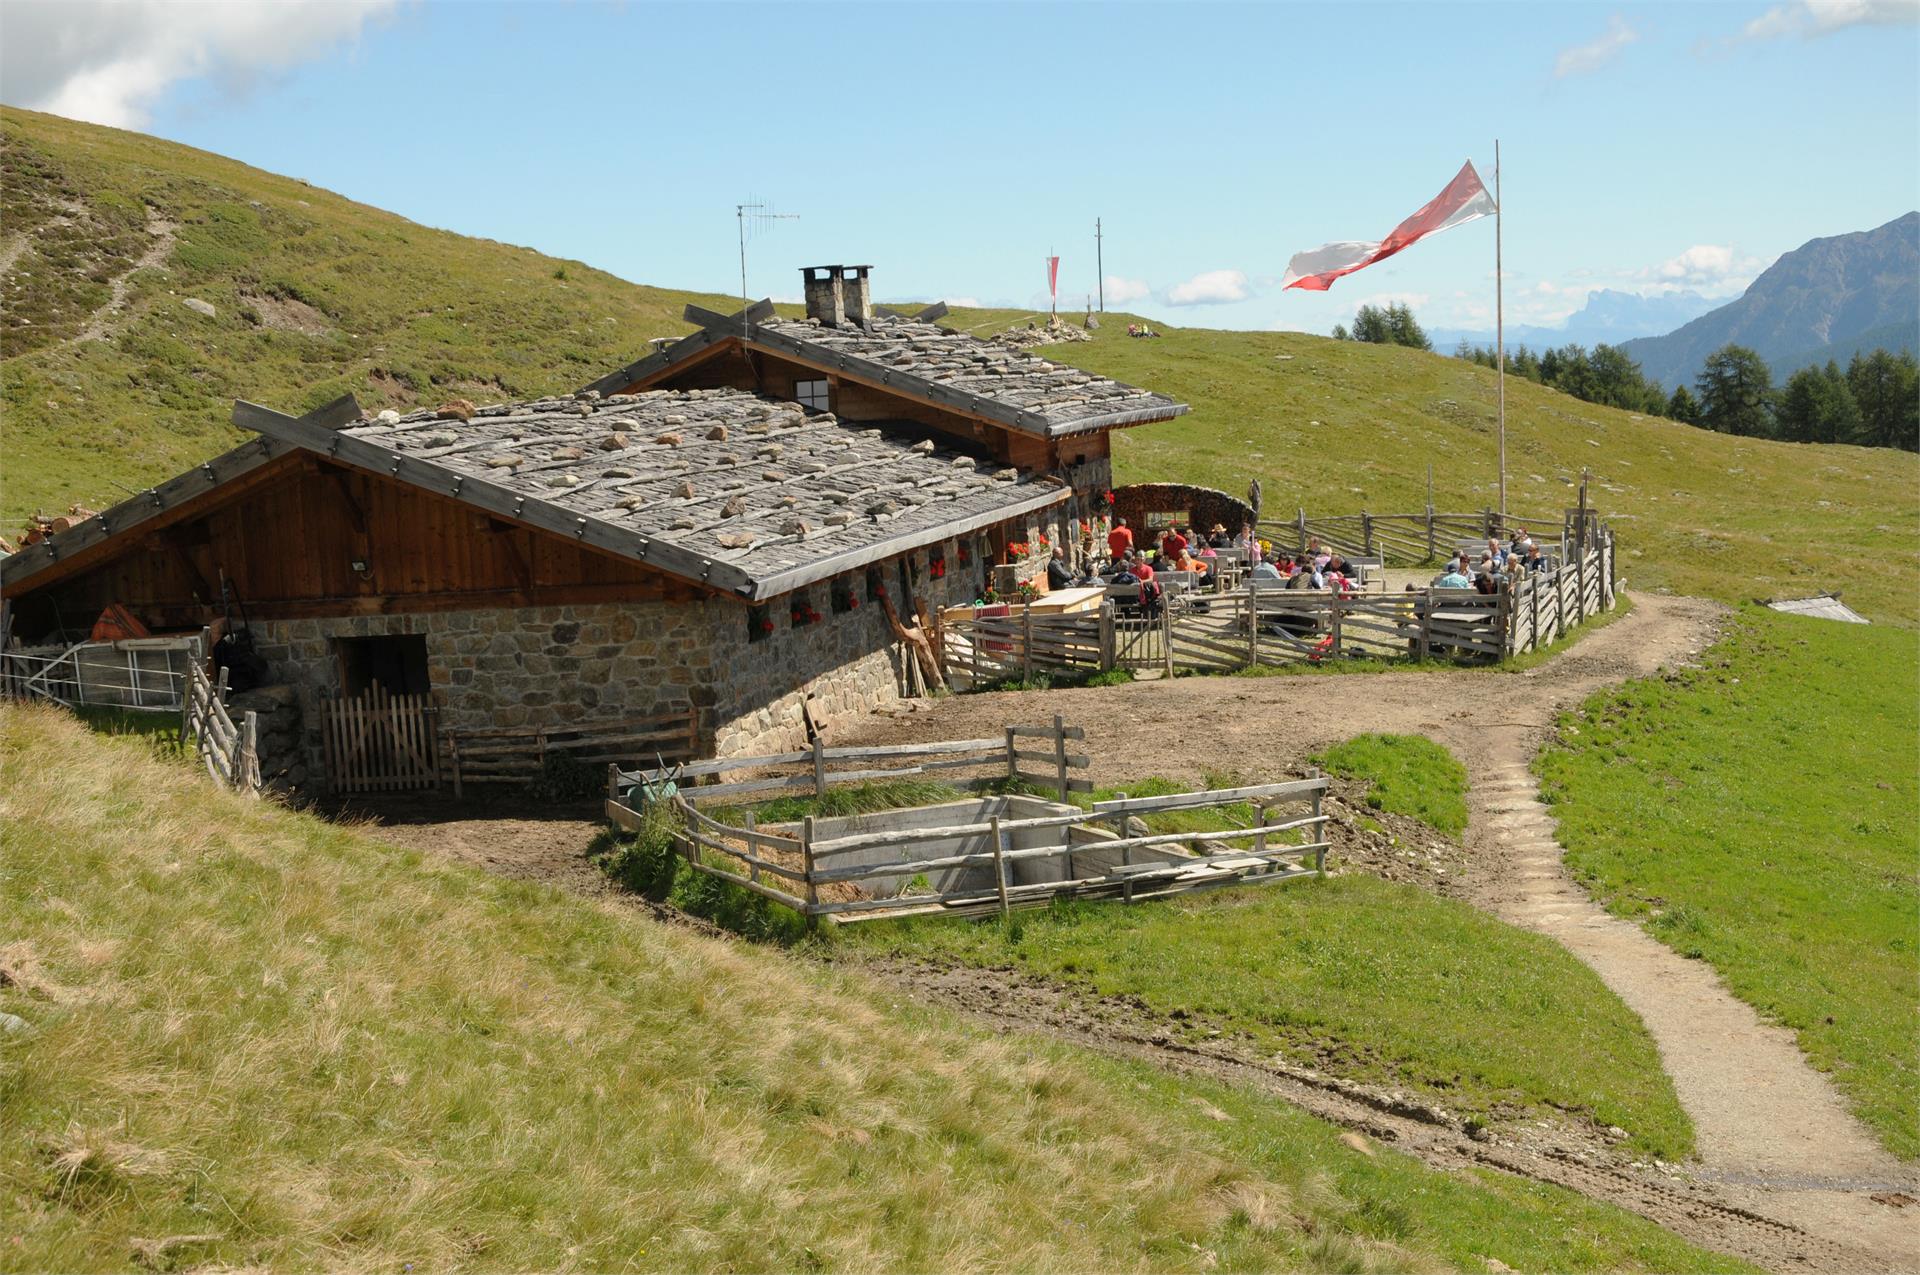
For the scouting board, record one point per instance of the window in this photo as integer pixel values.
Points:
(398, 663)
(759, 624)
(844, 598)
(811, 394)
(801, 611)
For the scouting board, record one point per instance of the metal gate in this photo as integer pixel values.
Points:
(380, 742)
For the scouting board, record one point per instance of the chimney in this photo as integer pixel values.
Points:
(855, 295)
(838, 296)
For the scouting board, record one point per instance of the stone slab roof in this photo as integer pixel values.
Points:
(746, 494)
(929, 363)
(764, 493)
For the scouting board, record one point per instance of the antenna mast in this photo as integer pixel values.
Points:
(1100, 264)
(757, 213)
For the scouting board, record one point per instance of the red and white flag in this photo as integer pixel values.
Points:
(1465, 199)
(1053, 276)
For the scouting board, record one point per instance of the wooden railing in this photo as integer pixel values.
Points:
(230, 753)
(999, 862)
(1265, 623)
(1428, 536)
(518, 755)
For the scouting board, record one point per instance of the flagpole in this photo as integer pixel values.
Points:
(1500, 325)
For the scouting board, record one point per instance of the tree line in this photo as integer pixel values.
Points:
(1873, 402)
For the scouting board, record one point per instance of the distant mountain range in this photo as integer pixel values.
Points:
(1608, 316)
(1828, 298)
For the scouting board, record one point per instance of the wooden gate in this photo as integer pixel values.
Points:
(380, 742)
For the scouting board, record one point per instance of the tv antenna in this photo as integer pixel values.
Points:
(753, 214)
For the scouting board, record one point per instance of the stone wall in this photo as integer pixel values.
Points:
(516, 666)
(1203, 505)
(528, 667)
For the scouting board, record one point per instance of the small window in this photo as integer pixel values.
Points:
(802, 612)
(845, 599)
(398, 663)
(759, 624)
(937, 564)
(875, 583)
(811, 394)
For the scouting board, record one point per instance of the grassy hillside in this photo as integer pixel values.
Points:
(256, 1039)
(315, 295)
(1793, 876)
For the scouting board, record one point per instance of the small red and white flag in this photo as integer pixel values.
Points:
(1465, 199)
(1053, 276)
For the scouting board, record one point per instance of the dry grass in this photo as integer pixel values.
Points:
(259, 1039)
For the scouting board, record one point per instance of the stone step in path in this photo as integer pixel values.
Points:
(1768, 1127)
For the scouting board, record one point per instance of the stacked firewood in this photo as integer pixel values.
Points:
(40, 526)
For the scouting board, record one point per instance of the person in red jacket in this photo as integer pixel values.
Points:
(1119, 540)
(1172, 545)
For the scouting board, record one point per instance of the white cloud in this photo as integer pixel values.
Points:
(1124, 291)
(1705, 265)
(1582, 59)
(1210, 287)
(108, 61)
(1810, 18)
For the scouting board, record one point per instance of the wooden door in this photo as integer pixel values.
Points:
(380, 742)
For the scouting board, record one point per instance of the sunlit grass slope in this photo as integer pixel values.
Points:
(255, 1039)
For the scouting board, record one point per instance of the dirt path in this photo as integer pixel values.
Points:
(158, 251)
(1772, 1132)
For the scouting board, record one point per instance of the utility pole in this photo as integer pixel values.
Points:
(1500, 325)
(1100, 264)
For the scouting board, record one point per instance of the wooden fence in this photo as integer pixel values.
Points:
(1264, 623)
(518, 755)
(1000, 858)
(230, 753)
(1424, 537)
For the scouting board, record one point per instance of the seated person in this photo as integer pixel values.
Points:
(1218, 538)
(1173, 544)
(1307, 577)
(1058, 574)
(1485, 583)
(1495, 553)
(1454, 577)
(1532, 558)
(1264, 571)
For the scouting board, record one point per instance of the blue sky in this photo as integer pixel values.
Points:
(952, 145)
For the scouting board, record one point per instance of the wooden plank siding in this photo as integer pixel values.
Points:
(288, 544)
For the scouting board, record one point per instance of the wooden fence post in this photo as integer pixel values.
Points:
(753, 869)
(1302, 547)
(1026, 640)
(1060, 752)
(819, 766)
(249, 750)
(999, 864)
(1333, 607)
(1319, 829)
(1366, 531)
(1108, 656)
(1423, 603)
(1533, 591)
(1166, 636)
(1013, 763)
(806, 866)
(1433, 549)
(1120, 830)
(1253, 627)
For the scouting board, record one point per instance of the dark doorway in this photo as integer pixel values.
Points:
(398, 664)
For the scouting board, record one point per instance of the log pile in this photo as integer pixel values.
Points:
(40, 526)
